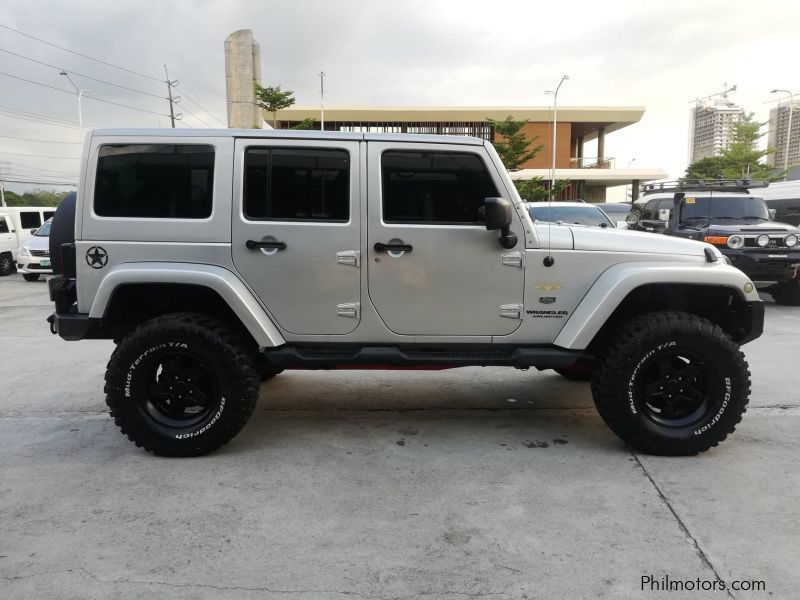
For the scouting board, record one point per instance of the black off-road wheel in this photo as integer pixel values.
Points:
(30, 276)
(786, 293)
(671, 383)
(182, 384)
(6, 264)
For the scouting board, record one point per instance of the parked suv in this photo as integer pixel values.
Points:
(725, 213)
(215, 258)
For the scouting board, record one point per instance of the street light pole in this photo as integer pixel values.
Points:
(555, 123)
(80, 93)
(788, 128)
(321, 100)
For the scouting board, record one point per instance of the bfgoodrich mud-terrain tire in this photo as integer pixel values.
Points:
(671, 383)
(181, 384)
(787, 293)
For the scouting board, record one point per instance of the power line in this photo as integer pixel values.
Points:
(40, 156)
(97, 60)
(17, 111)
(185, 95)
(71, 93)
(10, 137)
(38, 120)
(198, 118)
(15, 180)
(124, 87)
(15, 165)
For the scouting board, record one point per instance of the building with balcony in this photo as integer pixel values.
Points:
(778, 133)
(589, 176)
(712, 127)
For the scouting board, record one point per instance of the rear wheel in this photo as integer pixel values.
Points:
(672, 383)
(6, 264)
(31, 276)
(787, 293)
(182, 384)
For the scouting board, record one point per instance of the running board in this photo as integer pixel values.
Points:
(543, 357)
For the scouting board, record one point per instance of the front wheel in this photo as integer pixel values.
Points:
(30, 276)
(787, 293)
(671, 383)
(181, 384)
(6, 264)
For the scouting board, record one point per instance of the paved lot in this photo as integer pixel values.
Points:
(473, 482)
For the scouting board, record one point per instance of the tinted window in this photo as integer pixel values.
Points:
(722, 207)
(29, 219)
(579, 215)
(155, 181)
(304, 185)
(44, 230)
(3, 225)
(446, 188)
(48, 214)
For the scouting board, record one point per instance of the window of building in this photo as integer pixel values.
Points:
(155, 181)
(443, 188)
(30, 219)
(297, 185)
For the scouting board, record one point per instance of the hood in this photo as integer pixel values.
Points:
(37, 242)
(751, 226)
(639, 242)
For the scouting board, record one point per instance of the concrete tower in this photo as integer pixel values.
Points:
(242, 70)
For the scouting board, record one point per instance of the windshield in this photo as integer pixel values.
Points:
(724, 207)
(44, 230)
(579, 215)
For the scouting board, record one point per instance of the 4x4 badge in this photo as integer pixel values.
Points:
(96, 257)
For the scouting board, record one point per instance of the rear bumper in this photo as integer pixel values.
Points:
(74, 326)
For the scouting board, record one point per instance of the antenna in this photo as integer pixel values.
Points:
(549, 261)
(322, 99)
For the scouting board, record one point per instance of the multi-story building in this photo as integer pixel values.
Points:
(589, 176)
(712, 127)
(778, 134)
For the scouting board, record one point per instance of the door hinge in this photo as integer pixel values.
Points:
(511, 311)
(348, 309)
(513, 259)
(348, 257)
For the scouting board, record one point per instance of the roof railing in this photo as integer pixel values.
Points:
(705, 185)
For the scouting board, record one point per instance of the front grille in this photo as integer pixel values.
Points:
(37, 267)
(40, 252)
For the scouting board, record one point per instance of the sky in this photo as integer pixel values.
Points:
(657, 54)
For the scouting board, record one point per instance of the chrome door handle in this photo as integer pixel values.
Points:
(379, 247)
(252, 245)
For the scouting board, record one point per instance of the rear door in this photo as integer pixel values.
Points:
(296, 236)
(453, 278)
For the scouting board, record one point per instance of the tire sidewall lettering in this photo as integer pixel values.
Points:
(631, 392)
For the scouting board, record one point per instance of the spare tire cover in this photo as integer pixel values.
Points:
(62, 230)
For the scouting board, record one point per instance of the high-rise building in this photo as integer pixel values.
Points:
(779, 133)
(712, 127)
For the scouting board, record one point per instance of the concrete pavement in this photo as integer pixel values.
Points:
(474, 482)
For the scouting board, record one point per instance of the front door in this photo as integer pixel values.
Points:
(296, 234)
(433, 268)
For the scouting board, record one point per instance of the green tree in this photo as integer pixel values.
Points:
(740, 160)
(306, 124)
(514, 147)
(34, 198)
(273, 99)
(533, 190)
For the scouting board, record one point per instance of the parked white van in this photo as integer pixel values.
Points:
(8, 245)
(27, 219)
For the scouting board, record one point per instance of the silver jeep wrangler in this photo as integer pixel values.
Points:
(215, 259)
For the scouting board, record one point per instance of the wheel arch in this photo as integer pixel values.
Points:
(133, 292)
(627, 290)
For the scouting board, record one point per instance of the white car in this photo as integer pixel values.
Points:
(33, 256)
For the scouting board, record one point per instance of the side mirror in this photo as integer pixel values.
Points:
(772, 213)
(498, 216)
(664, 214)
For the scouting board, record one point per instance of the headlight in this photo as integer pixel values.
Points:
(735, 241)
(790, 240)
(23, 251)
(763, 240)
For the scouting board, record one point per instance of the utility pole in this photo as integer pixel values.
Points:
(322, 99)
(3, 184)
(169, 97)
